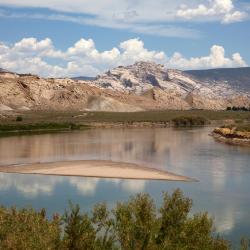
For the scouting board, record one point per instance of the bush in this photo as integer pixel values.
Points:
(238, 127)
(189, 121)
(135, 224)
(28, 229)
(238, 108)
(19, 118)
(243, 128)
(40, 127)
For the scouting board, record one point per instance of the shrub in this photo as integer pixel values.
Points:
(28, 229)
(19, 118)
(189, 121)
(135, 224)
(243, 128)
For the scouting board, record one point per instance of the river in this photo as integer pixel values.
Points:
(223, 171)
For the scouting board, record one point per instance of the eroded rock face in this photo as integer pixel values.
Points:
(32, 93)
(172, 88)
(142, 86)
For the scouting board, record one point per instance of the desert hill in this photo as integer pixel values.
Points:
(141, 86)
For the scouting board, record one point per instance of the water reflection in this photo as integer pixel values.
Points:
(35, 185)
(124, 145)
(223, 171)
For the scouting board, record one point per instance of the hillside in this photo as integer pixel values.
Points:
(174, 89)
(235, 77)
(141, 86)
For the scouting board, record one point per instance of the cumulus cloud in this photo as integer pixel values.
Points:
(30, 55)
(216, 59)
(223, 10)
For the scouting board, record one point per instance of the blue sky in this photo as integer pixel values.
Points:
(83, 37)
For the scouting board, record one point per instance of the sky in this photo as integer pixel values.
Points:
(57, 38)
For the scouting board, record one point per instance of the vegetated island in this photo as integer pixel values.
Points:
(95, 168)
(233, 134)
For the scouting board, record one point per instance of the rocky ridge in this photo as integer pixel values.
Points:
(142, 86)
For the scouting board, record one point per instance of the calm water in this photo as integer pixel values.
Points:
(223, 171)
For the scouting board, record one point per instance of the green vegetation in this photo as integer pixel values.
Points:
(189, 121)
(238, 127)
(243, 127)
(135, 224)
(81, 117)
(39, 127)
(44, 121)
(27, 229)
(238, 108)
(19, 118)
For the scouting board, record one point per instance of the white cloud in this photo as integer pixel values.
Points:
(141, 16)
(216, 59)
(113, 22)
(223, 10)
(30, 55)
(235, 16)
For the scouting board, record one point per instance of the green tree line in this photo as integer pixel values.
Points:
(132, 225)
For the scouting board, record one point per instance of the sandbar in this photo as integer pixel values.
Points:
(95, 168)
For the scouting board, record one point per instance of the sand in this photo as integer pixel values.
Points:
(95, 168)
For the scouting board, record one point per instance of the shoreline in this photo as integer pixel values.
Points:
(97, 125)
(233, 134)
(95, 169)
(230, 140)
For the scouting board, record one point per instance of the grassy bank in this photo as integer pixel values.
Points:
(146, 116)
(238, 127)
(42, 121)
(24, 128)
(243, 128)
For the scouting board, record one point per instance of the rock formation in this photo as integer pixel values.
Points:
(142, 86)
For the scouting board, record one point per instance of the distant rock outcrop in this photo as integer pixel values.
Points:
(172, 88)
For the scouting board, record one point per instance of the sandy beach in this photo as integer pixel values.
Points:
(95, 168)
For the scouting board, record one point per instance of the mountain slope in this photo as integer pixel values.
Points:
(235, 77)
(173, 89)
(142, 86)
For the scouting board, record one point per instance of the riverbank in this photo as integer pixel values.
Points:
(95, 168)
(47, 121)
(235, 135)
(38, 128)
(118, 117)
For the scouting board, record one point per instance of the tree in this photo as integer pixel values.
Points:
(135, 222)
(27, 229)
(104, 224)
(79, 232)
(132, 225)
